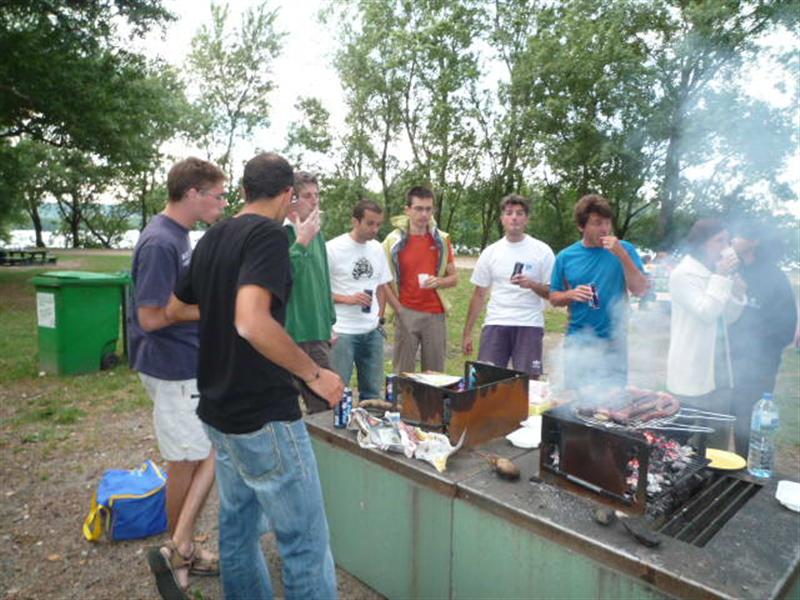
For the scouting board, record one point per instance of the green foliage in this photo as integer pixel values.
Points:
(310, 135)
(231, 68)
(70, 83)
(703, 116)
(67, 82)
(639, 101)
(787, 390)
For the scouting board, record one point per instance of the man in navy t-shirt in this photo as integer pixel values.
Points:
(592, 278)
(165, 355)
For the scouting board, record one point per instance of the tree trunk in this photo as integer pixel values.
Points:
(36, 219)
(74, 219)
(669, 192)
(143, 203)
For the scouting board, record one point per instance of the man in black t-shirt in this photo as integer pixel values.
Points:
(241, 279)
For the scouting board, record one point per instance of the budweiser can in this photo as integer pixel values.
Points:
(341, 412)
(595, 301)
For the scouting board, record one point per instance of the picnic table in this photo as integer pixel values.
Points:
(25, 257)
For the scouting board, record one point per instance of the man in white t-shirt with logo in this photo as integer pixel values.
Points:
(359, 272)
(517, 270)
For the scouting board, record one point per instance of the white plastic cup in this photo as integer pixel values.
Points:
(422, 278)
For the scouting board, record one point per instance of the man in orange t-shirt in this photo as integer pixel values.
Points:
(422, 262)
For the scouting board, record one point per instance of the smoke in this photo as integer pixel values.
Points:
(755, 340)
(596, 366)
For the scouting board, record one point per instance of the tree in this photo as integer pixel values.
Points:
(69, 82)
(231, 71)
(66, 81)
(407, 69)
(703, 110)
(309, 135)
(371, 72)
(585, 90)
(639, 101)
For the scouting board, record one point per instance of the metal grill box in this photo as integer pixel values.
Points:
(494, 407)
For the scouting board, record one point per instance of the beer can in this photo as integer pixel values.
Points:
(390, 392)
(595, 301)
(341, 412)
(517, 269)
(366, 309)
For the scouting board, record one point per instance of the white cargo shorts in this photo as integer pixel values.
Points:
(179, 431)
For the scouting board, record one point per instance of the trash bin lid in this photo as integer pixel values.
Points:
(80, 279)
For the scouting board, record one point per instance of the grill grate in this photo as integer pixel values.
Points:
(705, 514)
(681, 489)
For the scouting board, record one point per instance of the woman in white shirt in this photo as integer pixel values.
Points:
(704, 294)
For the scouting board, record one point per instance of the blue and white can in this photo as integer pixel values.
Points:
(342, 411)
(390, 392)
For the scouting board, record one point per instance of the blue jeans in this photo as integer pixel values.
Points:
(365, 350)
(270, 476)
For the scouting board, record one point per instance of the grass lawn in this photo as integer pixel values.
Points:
(48, 406)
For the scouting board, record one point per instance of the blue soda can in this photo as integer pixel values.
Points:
(595, 301)
(390, 393)
(341, 412)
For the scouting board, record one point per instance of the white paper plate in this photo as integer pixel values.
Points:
(788, 494)
(525, 437)
(533, 421)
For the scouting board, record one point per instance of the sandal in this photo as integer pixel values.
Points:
(203, 566)
(164, 570)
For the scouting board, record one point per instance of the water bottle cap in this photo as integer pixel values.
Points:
(767, 396)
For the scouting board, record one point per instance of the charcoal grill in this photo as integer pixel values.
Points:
(589, 457)
(593, 458)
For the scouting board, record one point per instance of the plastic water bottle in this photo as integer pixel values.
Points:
(763, 427)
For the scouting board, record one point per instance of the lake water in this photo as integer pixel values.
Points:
(25, 238)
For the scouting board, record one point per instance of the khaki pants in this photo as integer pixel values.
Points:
(414, 328)
(320, 353)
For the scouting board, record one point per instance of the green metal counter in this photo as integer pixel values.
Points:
(410, 532)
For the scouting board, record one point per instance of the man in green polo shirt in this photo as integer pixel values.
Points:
(310, 313)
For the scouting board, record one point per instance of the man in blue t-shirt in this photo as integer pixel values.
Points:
(592, 278)
(165, 355)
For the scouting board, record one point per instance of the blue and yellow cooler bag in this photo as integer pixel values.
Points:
(128, 504)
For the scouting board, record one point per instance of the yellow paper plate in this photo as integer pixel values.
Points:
(722, 459)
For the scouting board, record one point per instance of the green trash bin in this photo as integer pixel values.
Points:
(78, 316)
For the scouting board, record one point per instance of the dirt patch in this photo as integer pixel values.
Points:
(47, 477)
